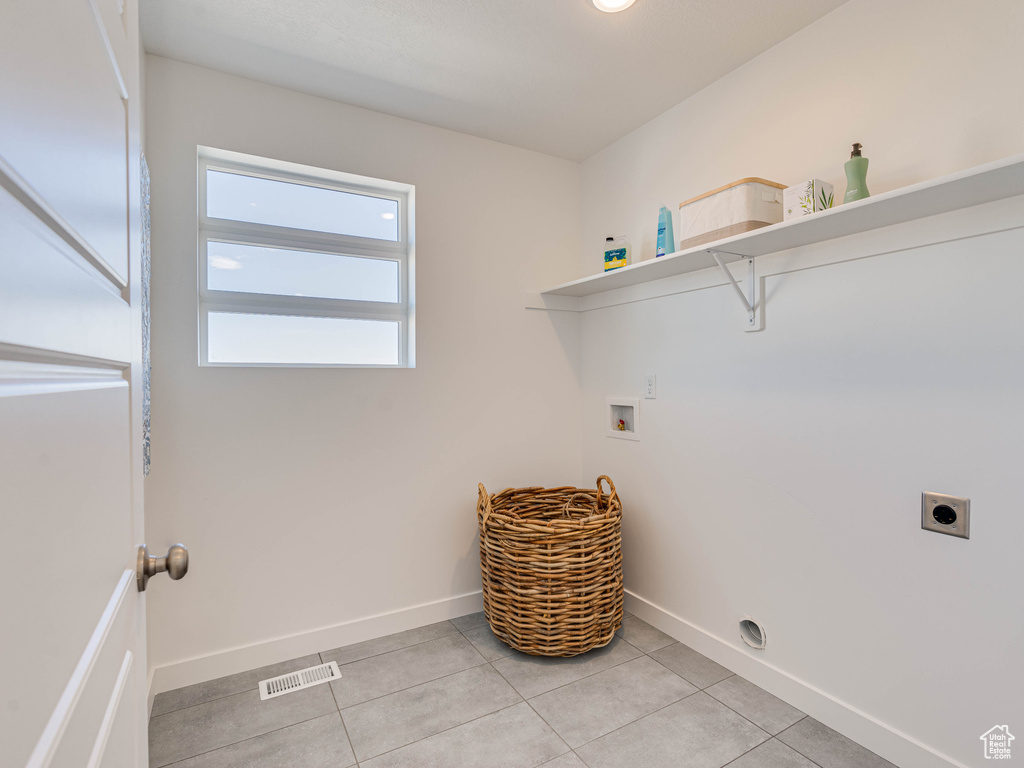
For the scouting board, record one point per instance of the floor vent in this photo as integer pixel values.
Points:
(296, 681)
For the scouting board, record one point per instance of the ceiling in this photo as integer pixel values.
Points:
(556, 76)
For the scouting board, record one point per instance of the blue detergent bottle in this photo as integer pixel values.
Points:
(666, 237)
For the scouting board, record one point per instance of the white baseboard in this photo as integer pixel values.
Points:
(233, 660)
(866, 730)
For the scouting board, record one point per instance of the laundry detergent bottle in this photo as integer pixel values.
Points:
(616, 252)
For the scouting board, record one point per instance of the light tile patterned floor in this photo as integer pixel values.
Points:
(450, 695)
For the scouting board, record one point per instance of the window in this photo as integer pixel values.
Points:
(302, 267)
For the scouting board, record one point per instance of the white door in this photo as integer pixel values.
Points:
(72, 622)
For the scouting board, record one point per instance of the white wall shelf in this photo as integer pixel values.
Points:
(975, 186)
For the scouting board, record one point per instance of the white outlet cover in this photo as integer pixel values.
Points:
(650, 386)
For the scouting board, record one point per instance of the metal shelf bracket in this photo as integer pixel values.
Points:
(752, 303)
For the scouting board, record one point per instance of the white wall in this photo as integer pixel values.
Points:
(780, 472)
(311, 498)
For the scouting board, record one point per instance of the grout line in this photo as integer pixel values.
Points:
(762, 730)
(392, 650)
(770, 735)
(415, 685)
(481, 626)
(549, 725)
(691, 682)
(452, 728)
(805, 716)
(631, 722)
(756, 746)
(242, 741)
(410, 687)
(734, 674)
(471, 629)
(340, 717)
(699, 690)
(642, 654)
(626, 615)
(805, 757)
(797, 750)
(648, 655)
(321, 657)
(598, 672)
(557, 757)
(715, 698)
(228, 695)
(201, 703)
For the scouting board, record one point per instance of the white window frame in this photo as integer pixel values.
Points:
(247, 233)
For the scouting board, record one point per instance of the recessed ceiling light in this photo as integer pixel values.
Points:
(611, 6)
(387, 216)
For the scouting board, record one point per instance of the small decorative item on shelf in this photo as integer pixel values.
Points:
(806, 197)
(856, 176)
(622, 425)
(616, 252)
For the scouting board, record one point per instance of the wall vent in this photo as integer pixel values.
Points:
(296, 681)
(753, 634)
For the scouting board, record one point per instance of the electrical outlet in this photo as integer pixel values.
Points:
(650, 386)
(950, 515)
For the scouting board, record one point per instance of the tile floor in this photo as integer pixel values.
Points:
(450, 695)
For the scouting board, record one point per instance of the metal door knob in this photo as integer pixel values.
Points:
(175, 563)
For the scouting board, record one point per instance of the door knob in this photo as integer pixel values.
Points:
(175, 563)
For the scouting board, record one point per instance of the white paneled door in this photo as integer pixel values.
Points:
(72, 622)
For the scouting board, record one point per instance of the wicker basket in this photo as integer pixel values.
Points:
(551, 562)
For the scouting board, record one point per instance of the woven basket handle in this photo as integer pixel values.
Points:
(483, 504)
(612, 495)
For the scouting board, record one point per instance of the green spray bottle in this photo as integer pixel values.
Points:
(856, 176)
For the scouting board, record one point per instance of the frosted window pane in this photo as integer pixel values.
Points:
(284, 204)
(283, 272)
(290, 340)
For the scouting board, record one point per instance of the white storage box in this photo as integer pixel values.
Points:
(730, 210)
